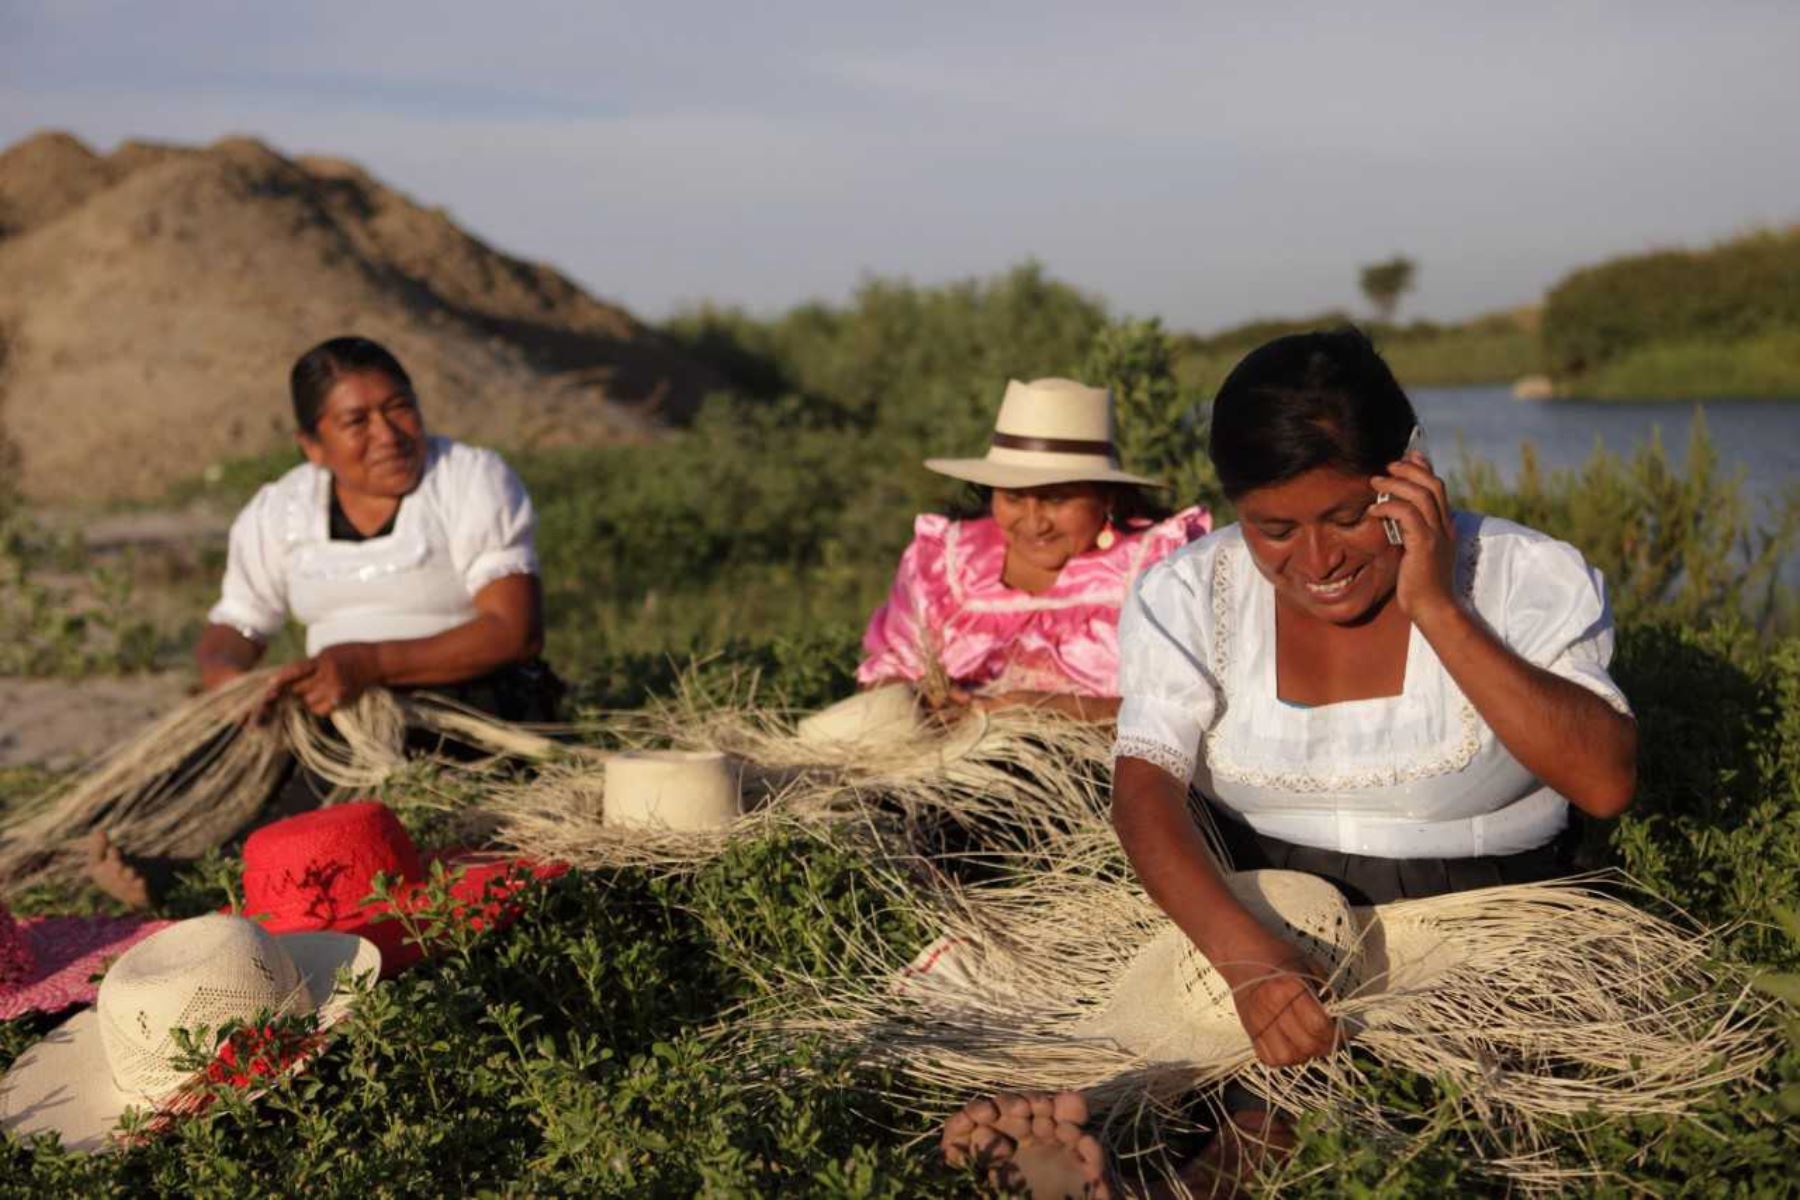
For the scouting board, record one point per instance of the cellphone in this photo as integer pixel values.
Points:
(1416, 441)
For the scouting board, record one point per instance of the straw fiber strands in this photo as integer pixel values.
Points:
(1531, 1005)
(189, 781)
(988, 784)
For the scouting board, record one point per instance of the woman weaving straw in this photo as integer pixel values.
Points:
(1020, 606)
(408, 558)
(1404, 716)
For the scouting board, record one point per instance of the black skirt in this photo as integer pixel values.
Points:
(1366, 879)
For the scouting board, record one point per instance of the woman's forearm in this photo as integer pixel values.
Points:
(468, 651)
(1169, 854)
(1561, 732)
(507, 628)
(222, 654)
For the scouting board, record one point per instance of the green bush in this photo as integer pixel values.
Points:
(1674, 544)
(1767, 365)
(922, 367)
(1734, 291)
(565, 1056)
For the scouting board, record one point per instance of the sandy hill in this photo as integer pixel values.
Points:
(152, 300)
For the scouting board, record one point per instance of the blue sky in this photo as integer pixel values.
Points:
(1208, 163)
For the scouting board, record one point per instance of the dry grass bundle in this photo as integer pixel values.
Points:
(1533, 1006)
(995, 785)
(187, 783)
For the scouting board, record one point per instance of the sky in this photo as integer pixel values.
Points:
(1206, 163)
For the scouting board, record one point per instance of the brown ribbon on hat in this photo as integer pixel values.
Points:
(1044, 445)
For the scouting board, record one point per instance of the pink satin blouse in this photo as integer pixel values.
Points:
(948, 599)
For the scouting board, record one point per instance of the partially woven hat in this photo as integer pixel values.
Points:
(316, 871)
(206, 973)
(686, 791)
(1171, 1004)
(889, 712)
(885, 717)
(47, 964)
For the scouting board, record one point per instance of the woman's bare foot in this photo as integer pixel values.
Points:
(1032, 1144)
(110, 872)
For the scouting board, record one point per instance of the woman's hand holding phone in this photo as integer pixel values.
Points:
(1412, 500)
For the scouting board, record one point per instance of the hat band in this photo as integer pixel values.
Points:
(1044, 445)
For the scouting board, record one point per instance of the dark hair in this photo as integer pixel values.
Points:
(1304, 401)
(319, 369)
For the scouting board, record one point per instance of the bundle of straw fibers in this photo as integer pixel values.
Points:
(186, 783)
(1531, 1005)
(1008, 783)
(1018, 778)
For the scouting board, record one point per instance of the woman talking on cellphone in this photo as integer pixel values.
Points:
(1403, 720)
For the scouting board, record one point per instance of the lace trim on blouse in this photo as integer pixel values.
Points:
(1160, 754)
(1220, 762)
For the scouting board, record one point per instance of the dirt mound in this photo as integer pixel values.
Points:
(152, 300)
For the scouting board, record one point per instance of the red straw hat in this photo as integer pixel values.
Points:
(316, 871)
(47, 963)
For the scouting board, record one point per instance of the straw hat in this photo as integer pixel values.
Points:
(1172, 1005)
(883, 717)
(208, 972)
(316, 871)
(682, 790)
(886, 713)
(1048, 431)
(47, 964)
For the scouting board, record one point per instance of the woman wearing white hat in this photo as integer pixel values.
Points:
(1364, 684)
(1021, 605)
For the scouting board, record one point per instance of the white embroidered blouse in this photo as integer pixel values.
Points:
(468, 523)
(1416, 775)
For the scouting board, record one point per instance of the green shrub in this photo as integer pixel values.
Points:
(1767, 365)
(1731, 292)
(1674, 544)
(61, 616)
(923, 366)
(1161, 422)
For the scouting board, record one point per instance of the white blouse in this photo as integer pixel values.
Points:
(1417, 775)
(468, 523)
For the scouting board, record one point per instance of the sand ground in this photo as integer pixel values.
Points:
(59, 723)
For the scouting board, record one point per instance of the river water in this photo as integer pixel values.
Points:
(1759, 437)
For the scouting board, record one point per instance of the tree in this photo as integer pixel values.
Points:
(1384, 283)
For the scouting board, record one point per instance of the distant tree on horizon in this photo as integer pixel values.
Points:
(1385, 282)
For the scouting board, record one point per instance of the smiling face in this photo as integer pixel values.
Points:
(370, 436)
(1312, 537)
(1047, 526)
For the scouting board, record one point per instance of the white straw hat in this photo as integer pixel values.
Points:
(681, 790)
(208, 972)
(886, 713)
(1049, 431)
(889, 716)
(1172, 1005)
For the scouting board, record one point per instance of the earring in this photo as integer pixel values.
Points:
(1107, 536)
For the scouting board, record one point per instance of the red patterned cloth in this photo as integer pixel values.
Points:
(48, 964)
